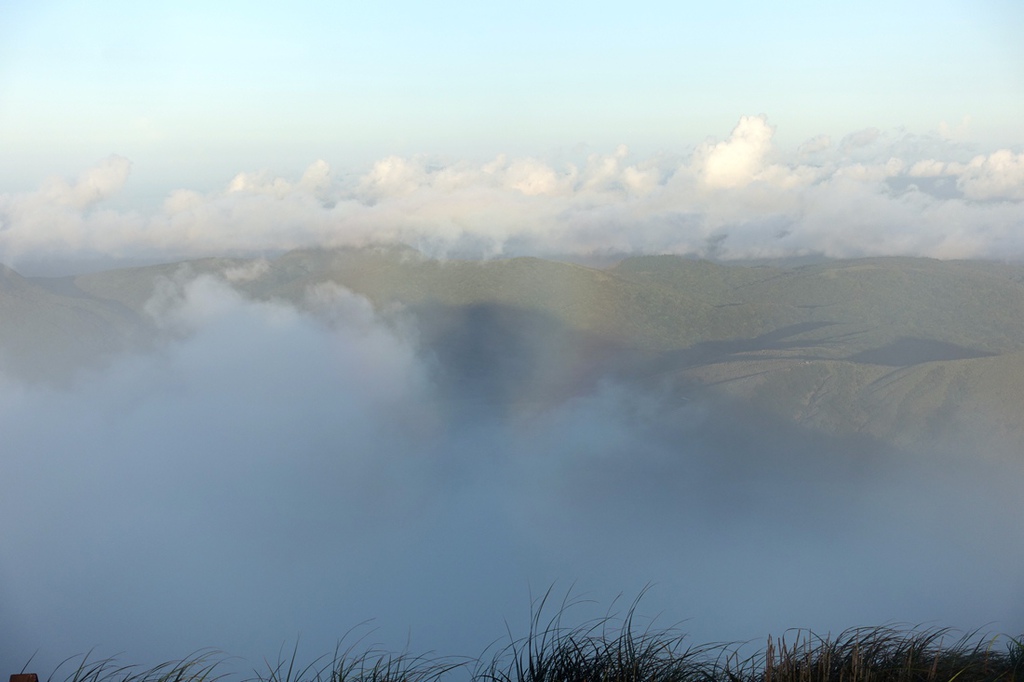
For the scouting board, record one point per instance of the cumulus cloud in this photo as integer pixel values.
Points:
(58, 215)
(737, 161)
(875, 192)
(997, 176)
(928, 168)
(93, 186)
(818, 143)
(393, 176)
(532, 177)
(860, 139)
(955, 132)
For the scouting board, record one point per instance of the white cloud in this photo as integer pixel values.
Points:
(929, 168)
(955, 132)
(533, 177)
(640, 179)
(816, 144)
(93, 186)
(861, 138)
(820, 196)
(737, 161)
(317, 177)
(393, 176)
(999, 175)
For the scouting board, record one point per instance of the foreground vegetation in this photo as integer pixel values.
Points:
(614, 650)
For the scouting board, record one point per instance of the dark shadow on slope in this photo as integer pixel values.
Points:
(908, 351)
(491, 356)
(776, 340)
(708, 352)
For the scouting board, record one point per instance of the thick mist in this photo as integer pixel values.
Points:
(271, 473)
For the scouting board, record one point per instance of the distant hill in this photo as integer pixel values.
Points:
(900, 349)
(49, 327)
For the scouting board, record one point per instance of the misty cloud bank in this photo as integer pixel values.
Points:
(269, 473)
(870, 193)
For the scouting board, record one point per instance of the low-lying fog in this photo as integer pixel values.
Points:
(269, 474)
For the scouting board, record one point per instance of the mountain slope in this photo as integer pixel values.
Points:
(902, 349)
(48, 328)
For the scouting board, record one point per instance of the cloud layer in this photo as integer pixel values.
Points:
(269, 474)
(870, 193)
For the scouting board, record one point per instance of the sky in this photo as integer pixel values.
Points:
(293, 474)
(434, 124)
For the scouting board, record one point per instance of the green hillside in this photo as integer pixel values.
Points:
(49, 328)
(901, 349)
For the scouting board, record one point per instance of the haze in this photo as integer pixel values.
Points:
(262, 470)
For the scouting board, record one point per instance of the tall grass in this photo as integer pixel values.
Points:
(606, 649)
(199, 667)
(884, 653)
(613, 649)
(351, 665)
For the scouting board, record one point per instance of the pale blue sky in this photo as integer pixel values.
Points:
(193, 92)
